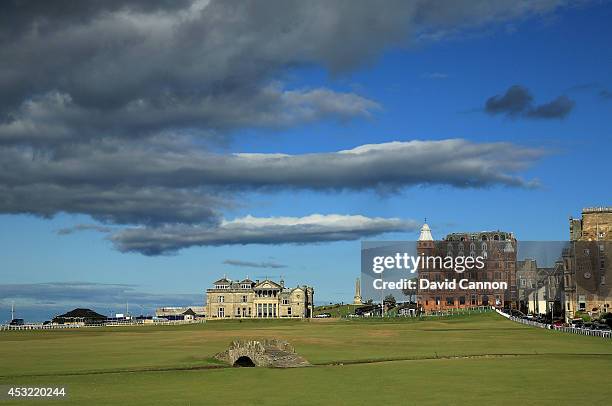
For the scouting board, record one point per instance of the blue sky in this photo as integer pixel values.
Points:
(426, 90)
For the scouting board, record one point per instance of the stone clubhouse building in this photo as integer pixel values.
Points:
(239, 299)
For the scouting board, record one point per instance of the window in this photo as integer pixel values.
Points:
(221, 299)
(461, 300)
(221, 312)
(450, 301)
(289, 311)
(437, 300)
(484, 246)
(474, 300)
(285, 301)
(244, 298)
(238, 311)
(523, 283)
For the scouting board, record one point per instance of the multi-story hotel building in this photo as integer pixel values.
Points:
(587, 264)
(230, 299)
(498, 249)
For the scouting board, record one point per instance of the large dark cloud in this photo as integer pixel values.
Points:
(53, 119)
(120, 205)
(256, 230)
(104, 106)
(454, 162)
(135, 68)
(517, 101)
(141, 183)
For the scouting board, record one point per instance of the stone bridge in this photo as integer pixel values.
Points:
(262, 353)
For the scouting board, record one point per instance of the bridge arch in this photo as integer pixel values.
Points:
(244, 361)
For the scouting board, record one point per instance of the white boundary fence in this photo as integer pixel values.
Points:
(573, 330)
(6, 327)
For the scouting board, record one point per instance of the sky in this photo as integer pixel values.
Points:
(149, 148)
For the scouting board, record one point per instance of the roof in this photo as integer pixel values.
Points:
(82, 313)
(247, 280)
(272, 284)
(222, 280)
(425, 233)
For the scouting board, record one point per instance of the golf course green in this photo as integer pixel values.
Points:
(455, 360)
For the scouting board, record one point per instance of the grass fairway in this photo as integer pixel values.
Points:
(457, 360)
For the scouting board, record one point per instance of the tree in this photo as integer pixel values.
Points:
(390, 301)
(411, 293)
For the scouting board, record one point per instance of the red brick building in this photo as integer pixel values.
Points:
(497, 250)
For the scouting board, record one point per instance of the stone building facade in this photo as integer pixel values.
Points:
(498, 248)
(587, 264)
(230, 299)
(540, 289)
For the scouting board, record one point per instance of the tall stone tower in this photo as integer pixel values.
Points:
(425, 244)
(357, 298)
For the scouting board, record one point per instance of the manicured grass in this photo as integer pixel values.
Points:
(498, 361)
